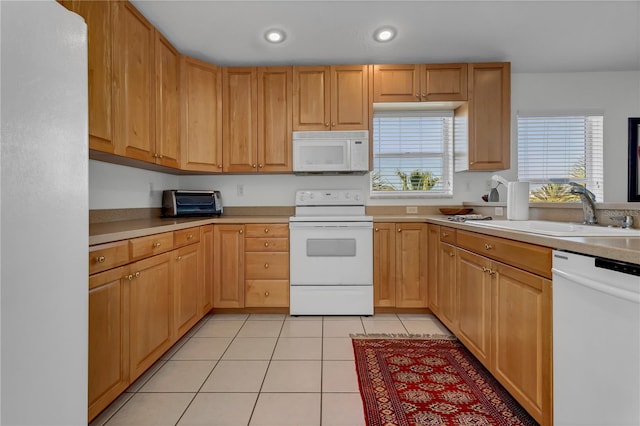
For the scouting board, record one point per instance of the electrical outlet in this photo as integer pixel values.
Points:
(412, 209)
(240, 189)
(498, 211)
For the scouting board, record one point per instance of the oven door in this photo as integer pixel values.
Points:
(331, 253)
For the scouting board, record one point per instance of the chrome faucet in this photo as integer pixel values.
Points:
(588, 202)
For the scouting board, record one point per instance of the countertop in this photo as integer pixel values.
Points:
(625, 249)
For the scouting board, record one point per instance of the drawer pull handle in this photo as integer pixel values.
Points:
(266, 230)
(179, 258)
(156, 245)
(451, 254)
(266, 244)
(445, 235)
(100, 259)
(266, 294)
(266, 266)
(241, 231)
(190, 236)
(488, 246)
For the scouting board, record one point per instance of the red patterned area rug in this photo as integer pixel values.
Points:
(418, 382)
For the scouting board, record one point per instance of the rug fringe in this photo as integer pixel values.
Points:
(401, 336)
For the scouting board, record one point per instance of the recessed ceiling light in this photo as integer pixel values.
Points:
(275, 35)
(384, 34)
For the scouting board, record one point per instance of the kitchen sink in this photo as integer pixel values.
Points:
(556, 229)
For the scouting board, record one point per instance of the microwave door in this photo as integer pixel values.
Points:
(322, 155)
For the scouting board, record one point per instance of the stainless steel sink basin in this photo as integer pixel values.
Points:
(556, 229)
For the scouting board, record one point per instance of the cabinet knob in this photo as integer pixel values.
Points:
(190, 236)
(100, 259)
(488, 246)
(266, 294)
(484, 269)
(266, 266)
(156, 244)
(333, 124)
(129, 277)
(253, 165)
(266, 230)
(241, 231)
(451, 254)
(445, 235)
(136, 275)
(260, 166)
(266, 244)
(418, 95)
(399, 229)
(326, 124)
(179, 258)
(377, 229)
(219, 166)
(492, 272)
(424, 96)
(160, 156)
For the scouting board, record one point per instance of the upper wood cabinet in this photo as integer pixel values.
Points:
(201, 111)
(99, 16)
(257, 119)
(147, 88)
(488, 117)
(419, 83)
(275, 102)
(331, 97)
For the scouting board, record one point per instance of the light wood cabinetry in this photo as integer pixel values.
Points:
(267, 265)
(108, 338)
(167, 143)
(433, 249)
(150, 312)
(201, 112)
(488, 114)
(205, 294)
(99, 16)
(331, 97)
(502, 311)
(257, 119)
(419, 83)
(228, 267)
(144, 294)
(400, 275)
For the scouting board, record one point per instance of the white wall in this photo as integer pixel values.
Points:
(616, 93)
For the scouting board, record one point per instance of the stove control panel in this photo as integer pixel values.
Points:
(330, 197)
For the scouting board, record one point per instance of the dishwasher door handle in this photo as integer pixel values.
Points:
(595, 285)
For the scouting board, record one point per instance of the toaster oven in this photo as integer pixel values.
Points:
(177, 203)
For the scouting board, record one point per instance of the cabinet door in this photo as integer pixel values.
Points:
(349, 97)
(447, 286)
(187, 281)
(151, 306)
(384, 265)
(444, 82)
(311, 98)
(396, 83)
(134, 69)
(167, 103)
(205, 295)
(201, 142)
(522, 339)
(275, 101)
(489, 116)
(433, 245)
(108, 339)
(473, 281)
(99, 18)
(240, 126)
(228, 266)
(411, 271)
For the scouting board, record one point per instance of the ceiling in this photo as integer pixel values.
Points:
(535, 36)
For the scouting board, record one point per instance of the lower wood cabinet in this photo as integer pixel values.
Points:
(108, 338)
(150, 311)
(267, 265)
(400, 274)
(501, 313)
(228, 266)
(138, 310)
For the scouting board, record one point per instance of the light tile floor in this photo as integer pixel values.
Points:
(259, 370)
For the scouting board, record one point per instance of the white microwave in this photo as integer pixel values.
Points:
(331, 151)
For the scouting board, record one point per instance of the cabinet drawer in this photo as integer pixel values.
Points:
(266, 244)
(529, 257)
(186, 236)
(448, 235)
(151, 245)
(264, 266)
(270, 229)
(267, 293)
(107, 256)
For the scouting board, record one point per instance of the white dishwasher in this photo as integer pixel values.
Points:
(596, 341)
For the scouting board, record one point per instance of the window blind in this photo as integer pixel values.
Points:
(556, 149)
(412, 149)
